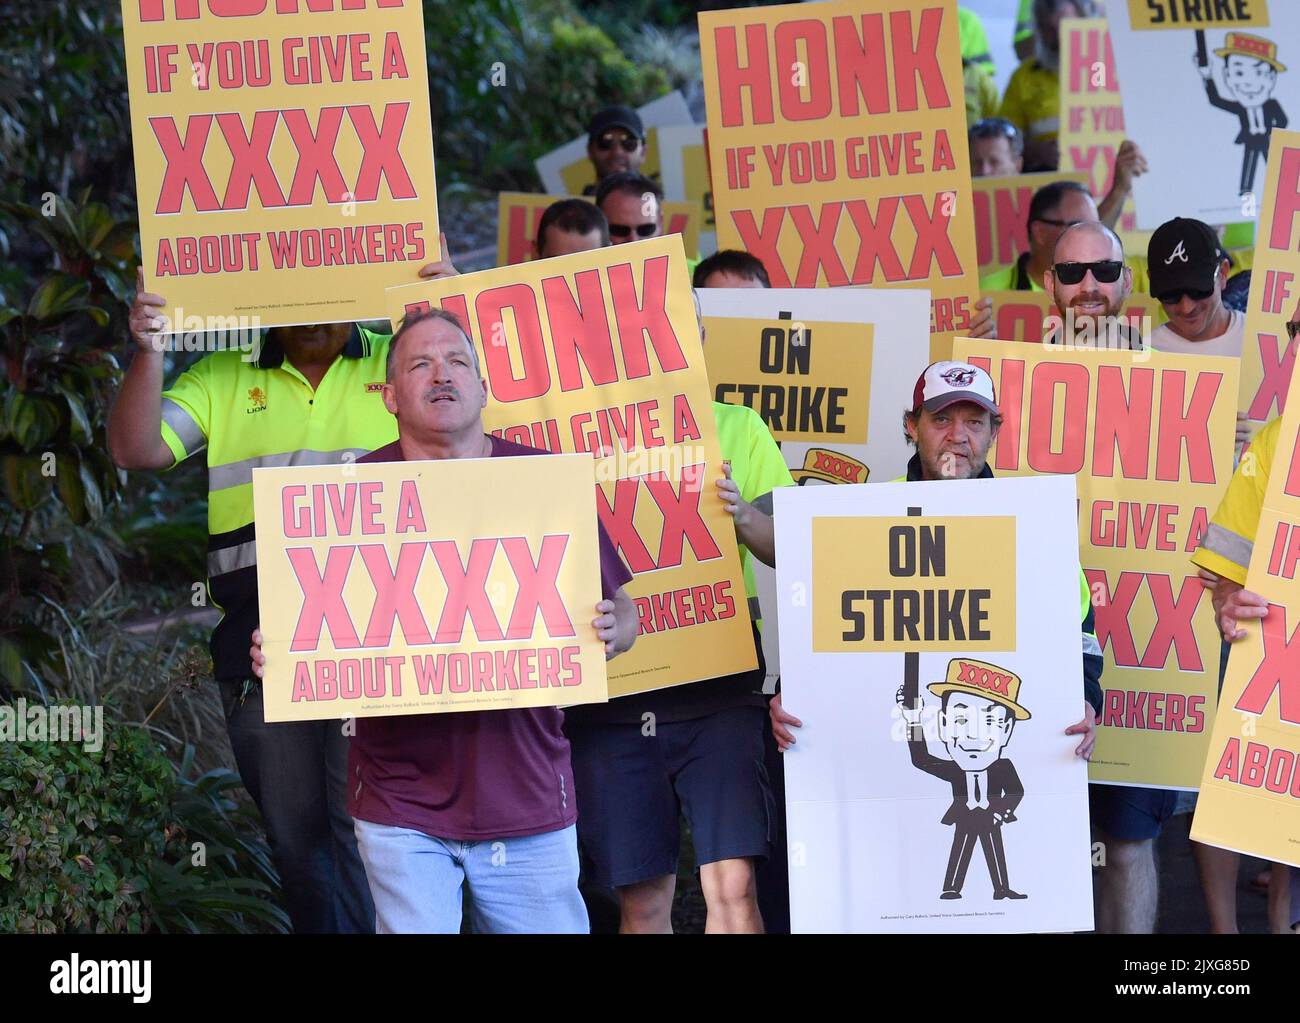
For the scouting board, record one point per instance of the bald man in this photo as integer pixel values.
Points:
(1089, 282)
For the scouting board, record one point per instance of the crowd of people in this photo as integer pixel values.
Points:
(552, 820)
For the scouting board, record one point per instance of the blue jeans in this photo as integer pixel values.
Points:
(526, 885)
(296, 772)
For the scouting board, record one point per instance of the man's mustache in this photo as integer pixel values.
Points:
(444, 389)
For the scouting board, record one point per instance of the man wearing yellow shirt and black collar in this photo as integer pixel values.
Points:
(312, 396)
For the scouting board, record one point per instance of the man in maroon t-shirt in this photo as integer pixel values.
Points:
(482, 799)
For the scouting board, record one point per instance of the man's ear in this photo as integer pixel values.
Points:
(1049, 281)
(390, 397)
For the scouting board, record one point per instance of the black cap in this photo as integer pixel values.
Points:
(1183, 255)
(616, 117)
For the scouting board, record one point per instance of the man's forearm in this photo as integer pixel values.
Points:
(135, 421)
(759, 534)
(1109, 209)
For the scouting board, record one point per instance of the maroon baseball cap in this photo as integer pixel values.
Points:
(946, 383)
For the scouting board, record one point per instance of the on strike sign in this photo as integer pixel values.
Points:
(837, 140)
(283, 154)
(379, 596)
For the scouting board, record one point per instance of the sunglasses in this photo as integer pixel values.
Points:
(625, 230)
(1173, 297)
(608, 142)
(1104, 271)
(1292, 329)
(992, 127)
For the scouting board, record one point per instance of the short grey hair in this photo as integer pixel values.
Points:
(412, 319)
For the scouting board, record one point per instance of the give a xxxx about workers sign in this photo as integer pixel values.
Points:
(283, 157)
(380, 596)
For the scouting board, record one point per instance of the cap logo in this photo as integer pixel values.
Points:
(958, 376)
(1179, 253)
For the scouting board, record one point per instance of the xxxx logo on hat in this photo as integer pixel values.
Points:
(1243, 44)
(830, 467)
(967, 675)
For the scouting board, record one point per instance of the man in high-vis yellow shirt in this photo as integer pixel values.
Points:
(311, 395)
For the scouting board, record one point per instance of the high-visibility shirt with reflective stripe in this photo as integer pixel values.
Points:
(264, 413)
(1228, 542)
(1032, 101)
(757, 468)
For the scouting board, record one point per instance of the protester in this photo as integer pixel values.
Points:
(996, 148)
(731, 268)
(1223, 559)
(473, 798)
(1089, 284)
(615, 144)
(1189, 270)
(633, 205)
(952, 422)
(1054, 207)
(304, 400)
(1032, 99)
(977, 67)
(569, 226)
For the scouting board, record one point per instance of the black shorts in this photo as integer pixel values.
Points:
(1129, 812)
(631, 789)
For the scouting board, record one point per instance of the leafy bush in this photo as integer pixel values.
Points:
(80, 830)
(103, 842)
(511, 80)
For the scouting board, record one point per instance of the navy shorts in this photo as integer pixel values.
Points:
(1130, 813)
(631, 789)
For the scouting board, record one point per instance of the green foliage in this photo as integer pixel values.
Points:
(80, 830)
(64, 119)
(510, 81)
(104, 842)
(56, 478)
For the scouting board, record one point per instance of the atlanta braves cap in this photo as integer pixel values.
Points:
(946, 383)
(1183, 255)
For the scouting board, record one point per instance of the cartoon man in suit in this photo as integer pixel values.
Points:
(1250, 70)
(978, 714)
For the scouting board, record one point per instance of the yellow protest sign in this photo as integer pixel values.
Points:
(837, 142)
(1092, 117)
(1150, 437)
(520, 213)
(1174, 14)
(1002, 215)
(1032, 315)
(934, 584)
(284, 158)
(379, 596)
(808, 381)
(1267, 355)
(600, 352)
(1250, 792)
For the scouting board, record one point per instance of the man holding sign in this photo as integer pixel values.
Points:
(953, 422)
(479, 798)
